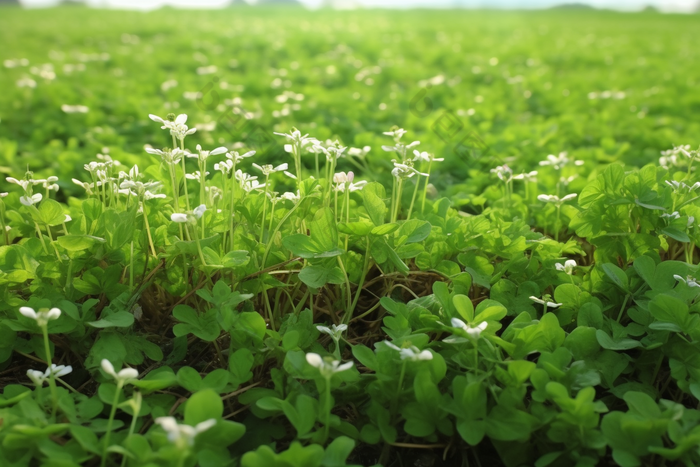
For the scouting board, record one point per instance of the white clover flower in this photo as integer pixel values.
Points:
(555, 199)
(327, 366)
(690, 281)
(546, 303)
(333, 150)
(473, 331)
(25, 82)
(74, 109)
(295, 136)
(529, 176)
(48, 184)
(503, 172)
(412, 353)
(253, 185)
(396, 134)
(169, 156)
(147, 195)
(30, 200)
(199, 211)
(673, 216)
(224, 166)
(42, 317)
(23, 183)
(357, 186)
(288, 195)
(203, 155)
(566, 180)
(243, 177)
(426, 157)
(562, 160)
(399, 147)
(234, 156)
(37, 377)
(183, 435)
(334, 331)
(178, 217)
(176, 125)
(342, 177)
(125, 375)
(269, 169)
(196, 175)
(567, 267)
(58, 370)
(359, 152)
(405, 170)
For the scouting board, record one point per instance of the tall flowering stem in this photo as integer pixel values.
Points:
(121, 378)
(42, 318)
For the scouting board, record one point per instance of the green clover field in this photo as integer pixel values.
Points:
(278, 237)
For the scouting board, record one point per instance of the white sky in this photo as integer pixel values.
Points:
(663, 5)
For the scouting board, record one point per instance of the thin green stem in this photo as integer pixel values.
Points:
(425, 188)
(3, 226)
(622, 308)
(264, 213)
(348, 293)
(148, 230)
(413, 199)
(41, 237)
(199, 246)
(399, 188)
(184, 176)
(52, 377)
(110, 421)
(327, 424)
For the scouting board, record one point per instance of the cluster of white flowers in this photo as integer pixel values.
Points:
(30, 198)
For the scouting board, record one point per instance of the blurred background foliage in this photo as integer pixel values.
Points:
(603, 86)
